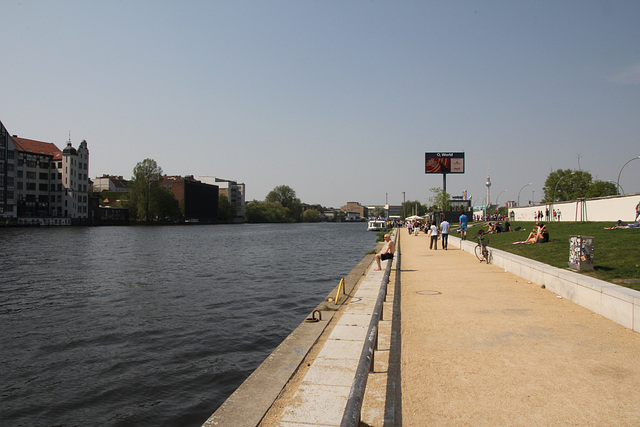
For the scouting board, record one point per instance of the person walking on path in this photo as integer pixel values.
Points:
(637, 211)
(463, 226)
(386, 253)
(444, 229)
(434, 236)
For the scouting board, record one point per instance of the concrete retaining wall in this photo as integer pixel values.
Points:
(610, 208)
(617, 303)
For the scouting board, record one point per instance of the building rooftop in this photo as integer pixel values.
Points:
(37, 147)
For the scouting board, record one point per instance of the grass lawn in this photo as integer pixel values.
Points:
(616, 257)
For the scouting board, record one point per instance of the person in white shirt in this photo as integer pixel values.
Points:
(444, 229)
(434, 236)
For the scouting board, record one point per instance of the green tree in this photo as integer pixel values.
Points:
(339, 216)
(286, 196)
(440, 199)
(226, 211)
(380, 211)
(261, 212)
(601, 189)
(146, 178)
(164, 205)
(570, 184)
(410, 208)
(311, 215)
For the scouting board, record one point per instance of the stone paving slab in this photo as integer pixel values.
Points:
(317, 404)
(328, 372)
(340, 349)
(350, 332)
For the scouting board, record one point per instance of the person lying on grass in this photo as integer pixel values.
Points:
(621, 224)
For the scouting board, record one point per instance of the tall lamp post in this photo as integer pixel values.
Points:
(628, 161)
(526, 185)
(488, 204)
(503, 191)
(619, 187)
(484, 206)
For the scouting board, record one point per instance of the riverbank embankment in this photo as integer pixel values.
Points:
(249, 404)
(475, 332)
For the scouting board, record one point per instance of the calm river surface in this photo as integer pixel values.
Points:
(153, 326)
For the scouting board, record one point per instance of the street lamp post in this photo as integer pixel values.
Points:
(484, 206)
(619, 187)
(628, 161)
(503, 191)
(526, 185)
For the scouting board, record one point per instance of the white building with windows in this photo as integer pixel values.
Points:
(41, 183)
(110, 183)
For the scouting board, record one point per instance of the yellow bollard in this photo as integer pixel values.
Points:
(340, 286)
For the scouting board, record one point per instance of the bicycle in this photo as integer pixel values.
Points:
(481, 251)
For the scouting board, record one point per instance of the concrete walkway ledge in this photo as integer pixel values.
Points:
(616, 303)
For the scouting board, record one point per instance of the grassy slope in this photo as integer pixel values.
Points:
(616, 256)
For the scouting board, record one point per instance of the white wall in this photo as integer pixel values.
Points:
(610, 208)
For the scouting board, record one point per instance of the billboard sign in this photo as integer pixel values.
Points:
(444, 163)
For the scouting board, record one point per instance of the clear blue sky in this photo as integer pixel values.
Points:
(337, 99)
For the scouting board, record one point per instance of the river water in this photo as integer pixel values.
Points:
(153, 326)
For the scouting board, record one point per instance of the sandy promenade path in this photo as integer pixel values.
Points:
(481, 346)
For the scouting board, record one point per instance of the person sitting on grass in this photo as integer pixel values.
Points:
(621, 224)
(541, 235)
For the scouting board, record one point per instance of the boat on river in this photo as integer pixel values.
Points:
(377, 224)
